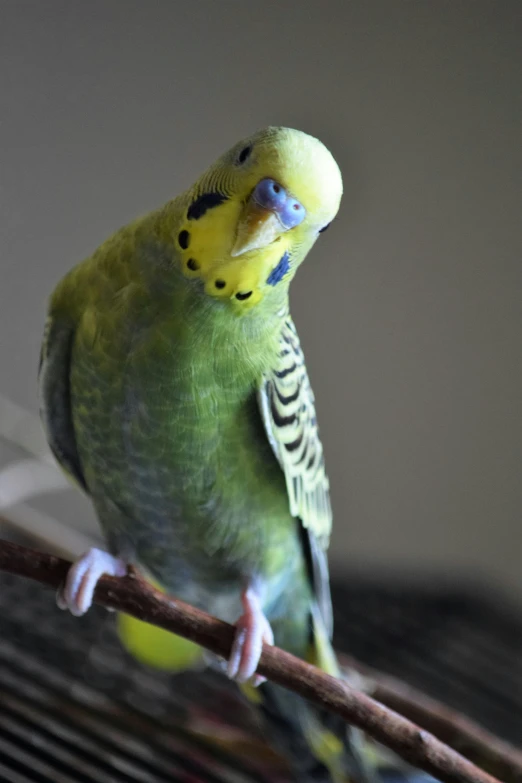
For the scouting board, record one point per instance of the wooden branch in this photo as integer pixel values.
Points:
(134, 596)
(498, 757)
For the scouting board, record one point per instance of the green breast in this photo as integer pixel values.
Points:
(171, 440)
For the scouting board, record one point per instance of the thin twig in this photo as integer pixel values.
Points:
(134, 596)
(498, 757)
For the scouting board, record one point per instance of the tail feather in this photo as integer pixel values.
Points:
(319, 746)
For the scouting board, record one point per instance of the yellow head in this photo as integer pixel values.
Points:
(251, 218)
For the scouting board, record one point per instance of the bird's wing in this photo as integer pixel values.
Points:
(55, 398)
(287, 408)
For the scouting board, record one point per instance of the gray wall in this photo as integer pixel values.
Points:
(410, 306)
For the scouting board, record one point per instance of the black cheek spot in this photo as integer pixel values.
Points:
(184, 239)
(323, 229)
(202, 204)
(242, 297)
(220, 284)
(193, 264)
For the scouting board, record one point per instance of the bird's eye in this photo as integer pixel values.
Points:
(323, 229)
(244, 154)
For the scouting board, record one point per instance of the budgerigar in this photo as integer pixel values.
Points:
(175, 393)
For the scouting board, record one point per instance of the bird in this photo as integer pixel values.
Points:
(174, 392)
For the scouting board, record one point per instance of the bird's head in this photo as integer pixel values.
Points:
(249, 221)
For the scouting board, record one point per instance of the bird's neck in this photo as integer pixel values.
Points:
(243, 345)
(249, 338)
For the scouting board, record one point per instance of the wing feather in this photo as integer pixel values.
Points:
(55, 398)
(287, 408)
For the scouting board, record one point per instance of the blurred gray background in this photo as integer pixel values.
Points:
(409, 308)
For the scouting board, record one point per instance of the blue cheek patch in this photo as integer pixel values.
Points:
(278, 272)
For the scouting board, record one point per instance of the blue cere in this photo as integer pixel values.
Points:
(279, 271)
(271, 195)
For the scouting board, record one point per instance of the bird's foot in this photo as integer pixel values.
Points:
(252, 629)
(77, 593)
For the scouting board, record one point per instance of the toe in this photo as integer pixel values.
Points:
(257, 680)
(82, 578)
(76, 596)
(250, 655)
(252, 629)
(234, 661)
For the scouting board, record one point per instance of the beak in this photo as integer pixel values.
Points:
(257, 228)
(268, 213)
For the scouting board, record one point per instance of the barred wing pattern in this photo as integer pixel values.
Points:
(287, 407)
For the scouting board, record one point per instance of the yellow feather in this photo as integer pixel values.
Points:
(157, 648)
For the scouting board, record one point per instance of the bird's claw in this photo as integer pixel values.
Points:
(77, 593)
(252, 629)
